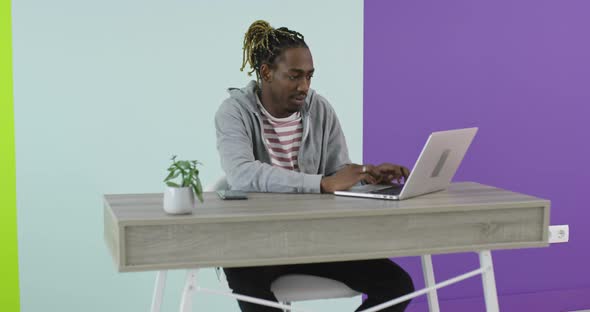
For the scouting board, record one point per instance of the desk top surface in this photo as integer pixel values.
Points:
(147, 208)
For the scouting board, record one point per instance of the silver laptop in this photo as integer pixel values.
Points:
(436, 166)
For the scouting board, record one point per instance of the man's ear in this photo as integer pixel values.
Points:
(265, 72)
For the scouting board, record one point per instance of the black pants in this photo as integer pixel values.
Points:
(381, 280)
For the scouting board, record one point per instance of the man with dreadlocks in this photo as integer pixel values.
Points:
(278, 135)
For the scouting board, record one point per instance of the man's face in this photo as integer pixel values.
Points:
(290, 81)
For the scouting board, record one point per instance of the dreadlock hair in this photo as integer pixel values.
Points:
(263, 44)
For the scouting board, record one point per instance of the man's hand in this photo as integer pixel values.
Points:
(348, 176)
(387, 172)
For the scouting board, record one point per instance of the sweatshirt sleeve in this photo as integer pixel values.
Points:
(245, 173)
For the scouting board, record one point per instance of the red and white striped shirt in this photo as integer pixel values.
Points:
(282, 137)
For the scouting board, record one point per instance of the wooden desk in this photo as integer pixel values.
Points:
(305, 228)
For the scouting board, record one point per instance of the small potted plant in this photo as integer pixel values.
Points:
(183, 185)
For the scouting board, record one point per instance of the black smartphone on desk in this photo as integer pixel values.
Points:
(229, 194)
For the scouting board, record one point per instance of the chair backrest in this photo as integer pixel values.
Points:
(220, 184)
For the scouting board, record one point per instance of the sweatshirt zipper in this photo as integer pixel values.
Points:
(305, 121)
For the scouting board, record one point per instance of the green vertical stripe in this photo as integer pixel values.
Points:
(9, 290)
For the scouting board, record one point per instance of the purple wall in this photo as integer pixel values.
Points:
(520, 71)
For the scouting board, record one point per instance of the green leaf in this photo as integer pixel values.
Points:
(172, 184)
(198, 193)
(199, 186)
(186, 181)
(172, 175)
(182, 171)
(195, 178)
(184, 164)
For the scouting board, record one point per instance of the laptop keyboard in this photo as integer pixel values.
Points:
(394, 190)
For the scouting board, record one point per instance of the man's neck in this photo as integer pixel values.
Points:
(266, 100)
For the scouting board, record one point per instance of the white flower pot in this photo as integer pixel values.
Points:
(179, 200)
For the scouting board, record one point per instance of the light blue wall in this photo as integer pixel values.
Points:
(106, 91)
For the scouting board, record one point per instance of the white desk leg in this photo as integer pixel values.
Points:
(186, 303)
(489, 282)
(429, 281)
(158, 291)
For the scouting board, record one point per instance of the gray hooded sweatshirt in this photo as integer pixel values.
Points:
(244, 154)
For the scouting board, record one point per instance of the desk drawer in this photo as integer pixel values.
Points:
(148, 247)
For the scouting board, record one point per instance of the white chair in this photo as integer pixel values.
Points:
(298, 287)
